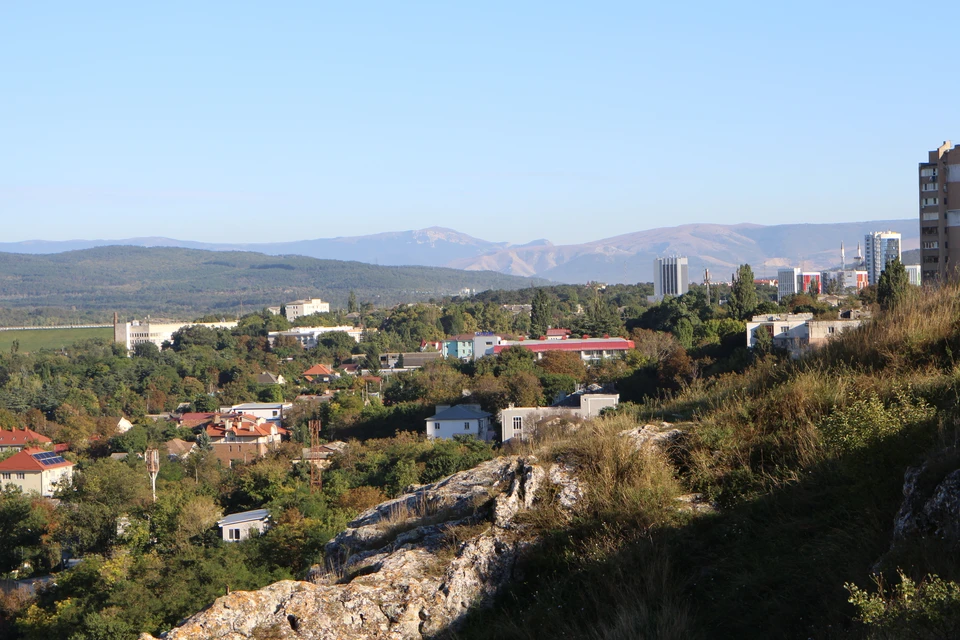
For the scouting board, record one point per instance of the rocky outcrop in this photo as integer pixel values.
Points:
(649, 434)
(407, 568)
(931, 505)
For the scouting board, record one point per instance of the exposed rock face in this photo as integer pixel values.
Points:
(649, 434)
(407, 568)
(929, 513)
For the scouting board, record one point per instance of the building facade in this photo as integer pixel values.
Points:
(309, 337)
(36, 471)
(939, 222)
(880, 247)
(241, 526)
(461, 419)
(670, 277)
(299, 308)
(589, 349)
(130, 334)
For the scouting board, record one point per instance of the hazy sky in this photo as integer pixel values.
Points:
(509, 121)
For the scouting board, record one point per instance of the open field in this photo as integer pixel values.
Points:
(36, 339)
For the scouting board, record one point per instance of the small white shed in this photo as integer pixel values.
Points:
(238, 526)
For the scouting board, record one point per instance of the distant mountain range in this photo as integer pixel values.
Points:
(625, 258)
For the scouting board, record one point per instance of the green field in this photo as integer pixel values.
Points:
(36, 339)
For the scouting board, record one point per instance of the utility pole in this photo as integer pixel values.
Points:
(706, 282)
(316, 479)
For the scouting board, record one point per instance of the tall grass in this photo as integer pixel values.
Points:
(805, 460)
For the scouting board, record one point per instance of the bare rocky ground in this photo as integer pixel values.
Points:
(406, 569)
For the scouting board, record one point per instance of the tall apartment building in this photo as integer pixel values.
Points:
(880, 248)
(939, 224)
(670, 277)
(791, 281)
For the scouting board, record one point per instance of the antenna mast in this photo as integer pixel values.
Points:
(153, 468)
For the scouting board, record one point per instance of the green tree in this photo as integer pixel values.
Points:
(892, 284)
(352, 302)
(541, 313)
(743, 294)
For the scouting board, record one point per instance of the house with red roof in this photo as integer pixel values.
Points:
(244, 437)
(18, 439)
(36, 470)
(320, 373)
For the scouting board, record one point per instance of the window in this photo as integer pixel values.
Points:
(436, 426)
(517, 423)
(274, 414)
(466, 426)
(831, 329)
(931, 245)
(930, 216)
(930, 202)
(784, 329)
(21, 476)
(233, 534)
(6, 476)
(930, 186)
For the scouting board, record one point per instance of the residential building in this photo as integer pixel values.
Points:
(670, 277)
(939, 222)
(470, 346)
(19, 439)
(521, 422)
(130, 334)
(269, 411)
(320, 373)
(243, 437)
(299, 308)
(178, 449)
(35, 470)
(589, 349)
(266, 377)
(557, 334)
(799, 332)
(461, 419)
(309, 337)
(880, 247)
(241, 526)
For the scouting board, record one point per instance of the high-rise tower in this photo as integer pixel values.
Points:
(939, 223)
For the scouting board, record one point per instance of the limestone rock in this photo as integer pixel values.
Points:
(652, 435)
(397, 571)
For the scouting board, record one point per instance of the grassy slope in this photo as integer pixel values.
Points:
(805, 461)
(188, 281)
(35, 339)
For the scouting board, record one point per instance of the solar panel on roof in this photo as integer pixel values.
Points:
(48, 458)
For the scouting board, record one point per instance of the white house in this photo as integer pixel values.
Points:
(241, 526)
(521, 422)
(269, 411)
(461, 419)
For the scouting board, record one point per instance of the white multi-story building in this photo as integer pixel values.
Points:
(299, 308)
(130, 334)
(881, 247)
(309, 337)
(798, 332)
(670, 277)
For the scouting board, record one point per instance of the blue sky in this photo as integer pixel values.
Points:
(249, 122)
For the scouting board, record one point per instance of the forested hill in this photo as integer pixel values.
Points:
(176, 282)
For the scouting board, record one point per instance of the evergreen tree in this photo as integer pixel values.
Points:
(892, 284)
(352, 303)
(540, 314)
(743, 294)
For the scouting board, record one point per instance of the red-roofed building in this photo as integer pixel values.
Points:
(17, 439)
(240, 436)
(36, 470)
(557, 334)
(590, 349)
(193, 420)
(320, 373)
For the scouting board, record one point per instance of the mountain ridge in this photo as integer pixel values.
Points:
(626, 257)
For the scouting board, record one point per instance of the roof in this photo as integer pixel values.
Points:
(319, 370)
(267, 378)
(19, 437)
(196, 419)
(558, 332)
(260, 405)
(244, 516)
(33, 459)
(459, 412)
(588, 344)
(179, 447)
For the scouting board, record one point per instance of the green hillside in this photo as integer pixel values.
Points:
(185, 282)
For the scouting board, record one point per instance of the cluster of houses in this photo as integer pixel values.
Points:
(798, 333)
